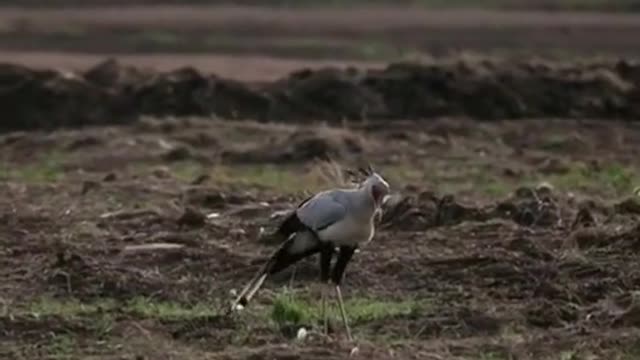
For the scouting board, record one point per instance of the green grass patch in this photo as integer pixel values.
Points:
(187, 171)
(141, 307)
(267, 176)
(61, 346)
(493, 355)
(632, 352)
(66, 308)
(611, 179)
(48, 168)
(148, 308)
(446, 178)
(288, 310)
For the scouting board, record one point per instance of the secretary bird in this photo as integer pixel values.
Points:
(341, 219)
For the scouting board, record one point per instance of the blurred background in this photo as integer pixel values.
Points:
(266, 39)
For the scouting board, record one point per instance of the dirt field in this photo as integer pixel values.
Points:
(547, 5)
(480, 260)
(111, 93)
(132, 208)
(376, 34)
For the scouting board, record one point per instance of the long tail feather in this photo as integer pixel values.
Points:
(301, 245)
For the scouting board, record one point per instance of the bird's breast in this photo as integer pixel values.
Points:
(349, 232)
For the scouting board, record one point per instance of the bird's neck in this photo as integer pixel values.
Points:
(364, 205)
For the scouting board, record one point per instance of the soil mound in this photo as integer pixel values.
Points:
(302, 145)
(111, 93)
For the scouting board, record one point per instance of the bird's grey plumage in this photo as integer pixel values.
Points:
(323, 210)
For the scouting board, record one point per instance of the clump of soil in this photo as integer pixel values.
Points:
(113, 93)
(303, 145)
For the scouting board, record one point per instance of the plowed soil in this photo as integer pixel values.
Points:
(134, 202)
(497, 263)
(379, 33)
(491, 90)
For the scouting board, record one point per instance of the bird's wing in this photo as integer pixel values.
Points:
(321, 211)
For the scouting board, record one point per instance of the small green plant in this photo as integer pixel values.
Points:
(149, 308)
(287, 311)
(60, 347)
(140, 306)
(612, 178)
(67, 308)
(280, 178)
(49, 168)
(632, 352)
(365, 309)
(493, 355)
(569, 355)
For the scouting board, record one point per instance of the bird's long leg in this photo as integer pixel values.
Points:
(343, 313)
(255, 287)
(325, 268)
(346, 252)
(325, 315)
(293, 275)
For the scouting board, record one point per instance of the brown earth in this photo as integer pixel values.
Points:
(503, 268)
(547, 5)
(503, 240)
(245, 68)
(380, 33)
(111, 93)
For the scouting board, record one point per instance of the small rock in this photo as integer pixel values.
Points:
(213, 215)
(524, 192)
(163, 144)
(192, 217)
(88, 186)
(84, 142)
(544, 188)
(162, 172)
(214, 199)
(178, 153)
(200, 179)
(552, 166)
(110, 177)
(584, 218)
(629, 206)
(302, 334)
(509, 172)
(237, 232)
(279, 214)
